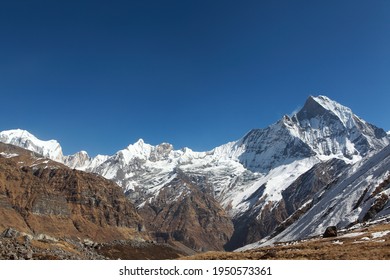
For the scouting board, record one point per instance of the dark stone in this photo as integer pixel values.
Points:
(12, 256)
(141, 228)
(10, 233)
(330, 232)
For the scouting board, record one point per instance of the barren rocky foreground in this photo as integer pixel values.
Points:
(18, 246)
(367, 243)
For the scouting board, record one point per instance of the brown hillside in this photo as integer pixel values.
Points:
(193, 218)
(38, 196)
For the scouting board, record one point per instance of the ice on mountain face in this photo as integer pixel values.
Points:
(265, 149)
(271, 185)
(282, 177)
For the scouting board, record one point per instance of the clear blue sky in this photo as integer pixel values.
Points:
(98, 75)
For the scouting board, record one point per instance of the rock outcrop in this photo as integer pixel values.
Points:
(330, 232)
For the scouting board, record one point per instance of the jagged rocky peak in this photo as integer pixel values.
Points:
(22, 138)
(322, 111)
(321, 107)
(161, 152)
(333, 129)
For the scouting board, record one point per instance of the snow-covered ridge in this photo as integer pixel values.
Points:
(22, 138)
(293, 136)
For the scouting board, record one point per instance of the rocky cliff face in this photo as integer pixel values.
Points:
(185, 211)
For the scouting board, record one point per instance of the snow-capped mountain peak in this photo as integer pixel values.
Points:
(22, 138)
(137, 150)
(77, 160)
(332, 129)
(321, 106)
(343, 113)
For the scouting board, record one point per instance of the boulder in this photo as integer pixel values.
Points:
(330, 232)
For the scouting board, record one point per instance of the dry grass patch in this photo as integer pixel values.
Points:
(354, 247)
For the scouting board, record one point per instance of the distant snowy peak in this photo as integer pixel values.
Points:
(146, 152)
(22, 138)
(77, 160)
(139, 150)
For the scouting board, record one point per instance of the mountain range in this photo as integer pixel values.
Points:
(323, 166)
